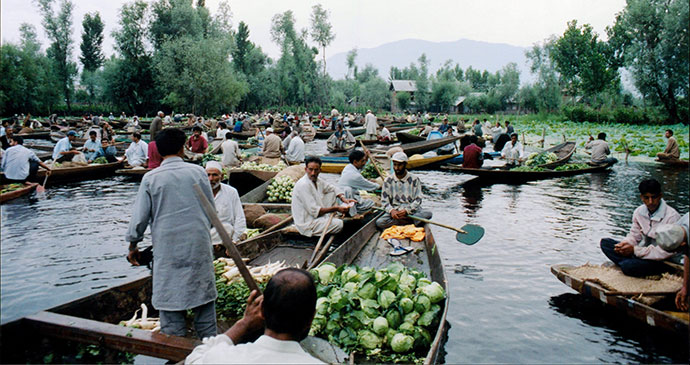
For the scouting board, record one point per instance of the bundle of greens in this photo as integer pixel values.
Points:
(100, 160)
(369, 171)
(11, 187)
(527, 168)
(572, 166)
(209, 157)
(389, 314)
(536, 159)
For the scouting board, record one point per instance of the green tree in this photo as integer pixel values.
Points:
(403, 98)
(58, 27)
(92, 42)
(546, 88)
(351, 66)
(652, 38)
(242, 49)
(423, 96)
(321, 30)
(374, 93)
(172, 19)
(587, 66)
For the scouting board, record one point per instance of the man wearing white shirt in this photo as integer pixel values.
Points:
(228, 205)
(295, 151)
(231, 152)
(19, 163)
(137, 152)
(222, 131)
(513, 150)
(63, 150)
(370, 125)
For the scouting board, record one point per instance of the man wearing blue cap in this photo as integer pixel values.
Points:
(63, 150)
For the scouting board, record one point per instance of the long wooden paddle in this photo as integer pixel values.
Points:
(225, 237)
(318, 244)
(469, 234)
(41, 189)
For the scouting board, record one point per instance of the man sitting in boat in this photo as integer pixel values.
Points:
(352, 181)
(284, 313)
(477, 128)
(472, 155)
(340, 138)
(672, 152)
(295, 151)
(385, 134)
(63, 150)
(232, 157)
(180, 232)
(272, 148)
(222, 131)
(370, 125)
(137, 152)
(401, 195)
(228, 205)
(600, 150)
(444, 127)
(91, 147)
(673, 238)
(513, 150)
(20, 163)
(197, 143)
(107, 150)
(313, 198)
(638, 253)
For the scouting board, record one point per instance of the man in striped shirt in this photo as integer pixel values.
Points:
(401, 196)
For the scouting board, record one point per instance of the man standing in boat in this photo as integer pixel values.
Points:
(638, 253)
(272, 149)
(401, 195)
(370, 125)
(156, 125)
(183, 275)
(672, 152)
(313, 198)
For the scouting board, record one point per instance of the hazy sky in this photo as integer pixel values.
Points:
(368, 23)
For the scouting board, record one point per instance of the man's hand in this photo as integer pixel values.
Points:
(243, 236)
(341, 209)
(252, 322)
(624, 249)
(132, 257)
(348, 201)
(399, 214)
(682, 299)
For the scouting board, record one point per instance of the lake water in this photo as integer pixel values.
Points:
(506, 306)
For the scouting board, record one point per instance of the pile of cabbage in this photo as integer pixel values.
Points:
(536, 159)
(572, 166)
(390, 315)
(263, 167)
(100, 160)
(280, 189)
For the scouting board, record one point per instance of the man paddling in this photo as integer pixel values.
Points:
(401, 196)
(600, 150)
(313, 199)
(228, 205)
(183, 276)
(20, 163)
(638, 253)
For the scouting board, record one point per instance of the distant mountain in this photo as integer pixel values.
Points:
(465, 52)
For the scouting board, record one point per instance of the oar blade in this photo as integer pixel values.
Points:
(473, 234)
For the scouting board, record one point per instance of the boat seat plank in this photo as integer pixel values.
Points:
(376, 254)
(291, 255)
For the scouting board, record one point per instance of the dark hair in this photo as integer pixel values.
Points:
(601, 135)
(507, 122)
(290, 302)
(18, 139)
(228, 135)
(650, 186)
(474, 139)
(464, 142)
(311, 159)
(92, 133)
(196, 128)
(104, 139)
(222, 125)
(514, 135)
(136, 134)
(169, 141)
(356, 155)
(669, 131)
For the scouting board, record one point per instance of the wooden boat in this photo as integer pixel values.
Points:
(80, 173)
(564, 151)
(652, 316)
(400, 127)
(405, 137)
(325, 133)
(369, 142)
(457, 160)
(507, 176)
(132, 172)
(243, 135)
(35, 135)
(334, 150)
(28, 188)
(414, 164)
(426, 146)
(674, 162)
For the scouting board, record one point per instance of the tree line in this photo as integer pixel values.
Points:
(176, 55)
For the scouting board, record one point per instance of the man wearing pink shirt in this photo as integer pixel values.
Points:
(638, 254)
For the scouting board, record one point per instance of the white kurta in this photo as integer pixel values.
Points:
(513, 152)
(231, 153)
(370, 124)
(295, 152)
(307, 200)
(230, 213)
(265, 350)
(137, 153)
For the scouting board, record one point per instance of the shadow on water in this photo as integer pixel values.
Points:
(652, 345)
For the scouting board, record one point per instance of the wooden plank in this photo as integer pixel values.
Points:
(111, 336)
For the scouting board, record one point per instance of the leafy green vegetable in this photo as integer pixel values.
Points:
(434, 291)
(100, 160)
(380, 325)
(386, 298)
(402, 342)
(407, 305)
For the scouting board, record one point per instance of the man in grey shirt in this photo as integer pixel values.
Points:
(156, 125)
(183, 276)
(600, 150)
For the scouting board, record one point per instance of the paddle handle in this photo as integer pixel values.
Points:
(371, 158)
(323, 234)
(322, 254)
(225, 237)
(45, 180)
(430, 222)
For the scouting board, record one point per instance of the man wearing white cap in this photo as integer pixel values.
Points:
(401, 196)
(370, 125)
(228, 205)
(674, 238)
(273, 148)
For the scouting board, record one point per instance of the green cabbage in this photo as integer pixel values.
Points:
(389, 336)
(370, 307)
(394, 318)
(325, 272)
(367, 291)
(322, 305)
(422, 338)
(380, 326)
(406, 328)
(369, 340)
(406, 304)
(349, 274)
(422, 303)
(386, 298)
(426, 318)
(411, 317)
(434, 291)
(402, 343)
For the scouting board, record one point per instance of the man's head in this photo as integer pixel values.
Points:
(170, 142)
(399, 164)
(312, 167)
(17, 140)
(196, 131)
(670, 237)
(669, 133)
(136, 137)
(507, 123)
(214, 170)
(290, 303)
(269, 131)
(445, 120)
(222, 125)
(71, 135)
(104, 142)
(513, 138)
(601, 136)
(650, 193)
(92, 135)
(358, 159)
(474, 139)
(160, 114)
(228, 135)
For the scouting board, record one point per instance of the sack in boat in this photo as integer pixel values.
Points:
(294, 172)
(79, 158)
(252, 212)
(391, 151)
(269, 220)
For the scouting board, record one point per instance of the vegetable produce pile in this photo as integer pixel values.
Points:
(280, 189)
(209, 157)
(145, 323)
(233, 291)
(388, 314)
(252, 232)
(100, 160)
(541, 158)
(369, 171)
(572, 166)
(253, 140)
(527, 168)
(262, 166)
(11, 187)
(415, 132)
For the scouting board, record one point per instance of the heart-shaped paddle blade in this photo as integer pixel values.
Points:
(473, 235)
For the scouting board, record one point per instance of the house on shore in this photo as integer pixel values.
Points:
(397, 86)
